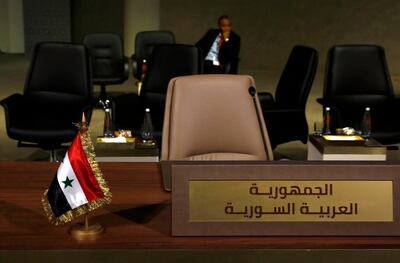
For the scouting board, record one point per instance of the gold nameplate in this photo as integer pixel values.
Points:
(285, 198)
(314, 201)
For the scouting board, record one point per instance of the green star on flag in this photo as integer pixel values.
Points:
(67, 182)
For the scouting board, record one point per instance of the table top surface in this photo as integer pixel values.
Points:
(125, 149)
(370, 146)
(138, 218)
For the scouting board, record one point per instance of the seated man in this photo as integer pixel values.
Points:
(220, 48)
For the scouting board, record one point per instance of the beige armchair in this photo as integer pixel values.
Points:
(213, 117)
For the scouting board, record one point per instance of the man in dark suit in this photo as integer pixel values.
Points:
(220, 48)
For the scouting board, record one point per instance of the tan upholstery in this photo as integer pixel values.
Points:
(213, 117)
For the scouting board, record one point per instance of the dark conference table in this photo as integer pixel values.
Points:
(138, 218)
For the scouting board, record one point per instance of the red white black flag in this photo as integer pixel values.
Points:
(78, 187)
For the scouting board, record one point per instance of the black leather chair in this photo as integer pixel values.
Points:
(357, 77)
(58, 90)
(145, 42)
(166, 62)
(109, 65)
(285, 115)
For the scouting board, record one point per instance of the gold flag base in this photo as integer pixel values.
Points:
(83, 231)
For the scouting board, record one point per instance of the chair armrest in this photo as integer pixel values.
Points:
(12, 105)
(390, 106)
(321, 101)
(127, 111)
(396, 100)
(266, 100)
(231, 67)
(289, 118)
(285, 115)
(284, 111)
(126, 67)
(136, 68)
(285, 125)
(227, 68)
(12, 101)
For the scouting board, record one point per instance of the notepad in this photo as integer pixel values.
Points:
(118, 139)
(343, 138)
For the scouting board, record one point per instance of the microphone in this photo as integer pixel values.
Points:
(253, 92)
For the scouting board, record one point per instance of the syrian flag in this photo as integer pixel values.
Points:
(78, 187)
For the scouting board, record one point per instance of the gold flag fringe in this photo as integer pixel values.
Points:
(86, 208)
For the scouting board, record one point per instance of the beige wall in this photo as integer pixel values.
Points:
(4, 25)
(11, 26)
(269, 28)
(139, 15)
(16, 22)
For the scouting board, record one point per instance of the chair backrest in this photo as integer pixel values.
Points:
(213, 117)
(59, 72)
(357, 74)
(106, 52)
(170, 61)
(145, 42)
(297, 78)
(167, 62)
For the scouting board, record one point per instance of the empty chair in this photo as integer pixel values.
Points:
(145, 42)
(58, 90)
(285, 114)
(213, 117)
(109, 65)
(357, 77)
(166, 62)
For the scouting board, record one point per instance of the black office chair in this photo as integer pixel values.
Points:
(109, 65)
(285, 116)
(357, 77)
(166, 62)
(145, 42)
(58, 90)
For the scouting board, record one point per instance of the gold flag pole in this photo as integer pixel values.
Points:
(86, 222)
(85, 230)
(83, 126)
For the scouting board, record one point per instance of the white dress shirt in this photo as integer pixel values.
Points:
(214, 50)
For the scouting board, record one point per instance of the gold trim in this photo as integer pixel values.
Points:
(86, 208)
(290, 200)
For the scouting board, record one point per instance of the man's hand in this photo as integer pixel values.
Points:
(226, 35)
